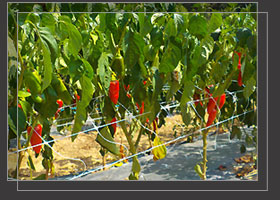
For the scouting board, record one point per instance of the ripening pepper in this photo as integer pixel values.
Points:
(222, 100)
(141, 109)
(211, 117)
(59, 102)
(114, 125)
(239, 80)
(36, 137)
(114, 91)
(212, 104)
(118, 66)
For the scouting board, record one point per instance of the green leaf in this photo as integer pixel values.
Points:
(222, 87)
(30, 163)
(156, 37)
(188, 92)
(198, 26)
(215, 22)
(242, 35)
(48, 106)
(110, 146)
(13, 118)
(26, 107)
(23, 94)
(171, 57)
(170, 28)
(186, 115)
(218, 71)
(81, 115)
(40, 177)
(48, 69)
(49, 21)
(149, 52)
(200, 55)
(103, 71)
(198, 170)
(49, 39)
(200, 110)
(75, 38)
(135, 48)
(76, 69)
(88, 69)
(12, 125)
(174, 87)
(250, 86)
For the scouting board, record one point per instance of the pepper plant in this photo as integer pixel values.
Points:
(127, 58)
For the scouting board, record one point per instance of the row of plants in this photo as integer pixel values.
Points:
(127, 58)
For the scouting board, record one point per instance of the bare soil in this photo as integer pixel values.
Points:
(86, 149)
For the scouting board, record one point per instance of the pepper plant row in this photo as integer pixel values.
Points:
(70, 58)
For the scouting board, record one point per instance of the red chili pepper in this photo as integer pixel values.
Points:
(141, 110)
(126, 87)
(77, 98)
(28, 90)
(114, 125)
(114, 91)
(59, 102)
(211, 118)
(240, 79)
(19, 106)
(36, 138)
(207, 89)
(56, 113)
(212, 104)
(222, 100)
(144, 82)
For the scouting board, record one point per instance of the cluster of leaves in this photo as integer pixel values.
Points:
(63, 54)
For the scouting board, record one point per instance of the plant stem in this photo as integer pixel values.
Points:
(20, 157)
(128, 137)
(204, 167)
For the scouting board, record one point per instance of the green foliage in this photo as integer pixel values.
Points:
(62, 54)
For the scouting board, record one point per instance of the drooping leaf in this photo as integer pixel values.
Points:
(48, 69)
(134, 50)
(160, 151)
(50, 40)
(171, 57)
(103, 71)
(13, 118)
(188, 92)
(75, 38)
(222, 87)
(249, 87)
(81, 115)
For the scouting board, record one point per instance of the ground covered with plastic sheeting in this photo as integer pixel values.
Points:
(180, 160)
